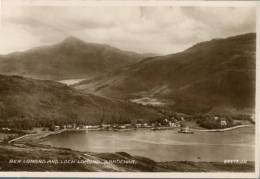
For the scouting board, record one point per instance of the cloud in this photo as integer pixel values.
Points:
(223, 21)
(142, 29)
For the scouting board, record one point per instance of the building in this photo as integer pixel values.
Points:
(74, 126)
(56, 128)
(86, 127)
(172, 124)
(128, 125)
(215, 118)
(69, 126)
(223, 123)
(94, 127)
(106, 125)
(122, 127)
(6, 129)
(91, 127)
(146, 125)
(138, 125)
(253, 118)
(178, 124)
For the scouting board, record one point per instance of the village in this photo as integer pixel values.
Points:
(186, 124)
(118, 127)
(167, 123)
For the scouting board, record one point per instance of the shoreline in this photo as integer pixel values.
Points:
(36, 138)
(224, 129)
(32, 143)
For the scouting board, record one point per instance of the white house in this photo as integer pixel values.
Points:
(138, 125)
(172, 124)
(223, 123)
(216, 118)
(56, 128)
(6, 129)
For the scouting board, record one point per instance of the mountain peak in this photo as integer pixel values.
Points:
(72, 40)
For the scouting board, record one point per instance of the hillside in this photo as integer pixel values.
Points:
(46, 158)
(70, 59)
(26, 103)
(213, 76)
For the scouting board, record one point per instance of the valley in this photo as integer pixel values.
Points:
(76, 91)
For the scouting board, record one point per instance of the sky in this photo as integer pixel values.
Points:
(143, 29)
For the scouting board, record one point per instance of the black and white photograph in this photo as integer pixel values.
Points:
(128, 88)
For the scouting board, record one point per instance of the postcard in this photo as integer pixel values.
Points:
(136, 89)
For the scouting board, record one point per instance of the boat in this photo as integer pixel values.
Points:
(185, 130)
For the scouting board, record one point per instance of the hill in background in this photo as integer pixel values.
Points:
(70, 59)
(28, 103)
(213, 76)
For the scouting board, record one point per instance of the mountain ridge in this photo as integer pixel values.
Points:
(209, 75)
(26, 103)
(72, 57)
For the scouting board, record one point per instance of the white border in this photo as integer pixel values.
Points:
(129, 3)
(257, 104)
(151, 3)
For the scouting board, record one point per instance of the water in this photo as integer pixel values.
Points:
(167, 145)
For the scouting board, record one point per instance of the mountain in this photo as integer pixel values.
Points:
(212, 76)
(28, 102)
(70, 59)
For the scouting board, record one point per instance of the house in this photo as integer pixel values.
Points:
(106, 125)
(128, 125)
(56, 128)
(223, 122)
(74, 126)
(253, 118)
(178, 124)
(69, 126)
(146, 125)
(114, 125)
(138, 125)
(86, 127)
(95, 127)
(122, 127)
(172, 124)
(6, 129)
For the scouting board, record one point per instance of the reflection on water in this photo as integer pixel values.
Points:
(167, 145)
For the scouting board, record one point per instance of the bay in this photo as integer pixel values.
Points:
(166, 145)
